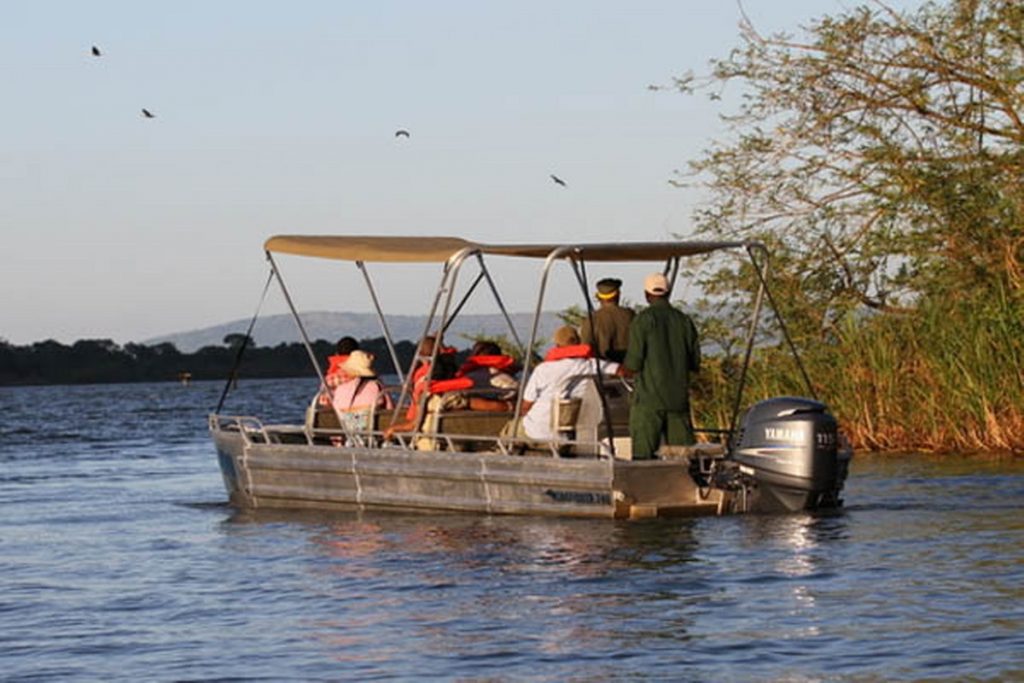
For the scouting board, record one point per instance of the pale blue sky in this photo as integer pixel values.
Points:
(276, 117)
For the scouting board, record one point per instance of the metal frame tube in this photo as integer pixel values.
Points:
(449, 276)
(751, 338)
(305, 340)
(528, 357)
(763, 277)
(462, 302)
(501, 304)
(383, 322)
(580, 269)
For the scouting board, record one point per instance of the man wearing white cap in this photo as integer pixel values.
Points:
(663, 350)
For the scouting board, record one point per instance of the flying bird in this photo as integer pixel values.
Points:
(558, 180)
(148, 114)
(96, 51)
(402, 133)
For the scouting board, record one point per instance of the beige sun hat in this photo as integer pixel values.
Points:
(358, 364)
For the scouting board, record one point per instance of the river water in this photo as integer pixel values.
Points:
(120, 561)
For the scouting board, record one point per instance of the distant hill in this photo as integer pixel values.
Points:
(272, 330)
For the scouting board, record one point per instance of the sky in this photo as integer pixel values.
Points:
(280, 118)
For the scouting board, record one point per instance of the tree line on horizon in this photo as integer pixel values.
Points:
(99, 361)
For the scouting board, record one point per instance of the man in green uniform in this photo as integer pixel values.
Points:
(663, 350)
(610, 331)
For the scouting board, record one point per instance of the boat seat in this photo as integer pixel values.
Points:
(470, 423)
(321, 419)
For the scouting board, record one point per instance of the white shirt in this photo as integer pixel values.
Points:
(547, 383)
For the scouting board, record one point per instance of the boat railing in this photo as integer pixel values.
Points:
(447, 425)
(250, 428)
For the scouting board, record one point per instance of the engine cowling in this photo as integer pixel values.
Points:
(790, 446)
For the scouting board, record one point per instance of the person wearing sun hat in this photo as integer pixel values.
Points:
(361, 390)
(609, 334)
(663, 351)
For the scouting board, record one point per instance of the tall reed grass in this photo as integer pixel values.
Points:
(947, 377)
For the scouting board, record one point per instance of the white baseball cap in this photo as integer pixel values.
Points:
(656, 284)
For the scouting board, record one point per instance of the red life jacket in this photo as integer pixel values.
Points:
(574, 351)
(440, 386)
(419, 376)
(501, 362)
(336, 361)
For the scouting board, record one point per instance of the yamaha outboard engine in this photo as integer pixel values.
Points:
(790, 448)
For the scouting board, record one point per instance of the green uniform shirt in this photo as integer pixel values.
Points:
(663, 350)
(611, 331)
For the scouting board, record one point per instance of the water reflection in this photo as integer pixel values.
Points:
(121, 562)
(565, 584)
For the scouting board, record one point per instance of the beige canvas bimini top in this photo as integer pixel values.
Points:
(368, 248)
(394, 249)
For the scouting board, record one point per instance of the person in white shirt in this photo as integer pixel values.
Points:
(553, 379)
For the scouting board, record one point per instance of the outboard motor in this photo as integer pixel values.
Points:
(790, 447)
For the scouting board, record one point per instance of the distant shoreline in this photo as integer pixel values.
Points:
(101, 361)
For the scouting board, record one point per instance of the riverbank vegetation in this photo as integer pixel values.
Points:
(96, 361)
(880, 156)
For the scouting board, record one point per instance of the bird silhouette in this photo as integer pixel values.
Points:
(96, 51)
(558, 180)
(402, 133)
(148, 114)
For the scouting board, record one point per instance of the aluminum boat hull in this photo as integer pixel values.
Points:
(303, 476)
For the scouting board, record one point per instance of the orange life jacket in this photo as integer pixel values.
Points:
(336, 361)
(574, 351)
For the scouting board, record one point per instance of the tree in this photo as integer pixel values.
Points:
(236, 340)
(881, 156)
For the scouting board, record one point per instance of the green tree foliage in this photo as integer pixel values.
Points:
(883, 153)
(881, 157)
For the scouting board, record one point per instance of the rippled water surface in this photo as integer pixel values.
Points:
(120, 561)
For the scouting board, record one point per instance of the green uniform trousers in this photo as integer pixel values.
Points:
(648, 425)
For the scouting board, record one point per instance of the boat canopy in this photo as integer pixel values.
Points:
(393, 249)
(369, 248)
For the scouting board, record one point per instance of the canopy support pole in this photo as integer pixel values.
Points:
(232, 376)
(383, 322)
(528, 357)
(579, 267)
(446, 289)
(305, 341)
(762, 276)
(501, 304)
(751, 334)
(462, 302)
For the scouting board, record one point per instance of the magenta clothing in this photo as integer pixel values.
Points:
(360, 392)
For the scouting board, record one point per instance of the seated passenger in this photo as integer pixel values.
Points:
(423, 375)
(489, 369)
(552, 380)
(435, 380)
(361, 390)
(334, 375)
